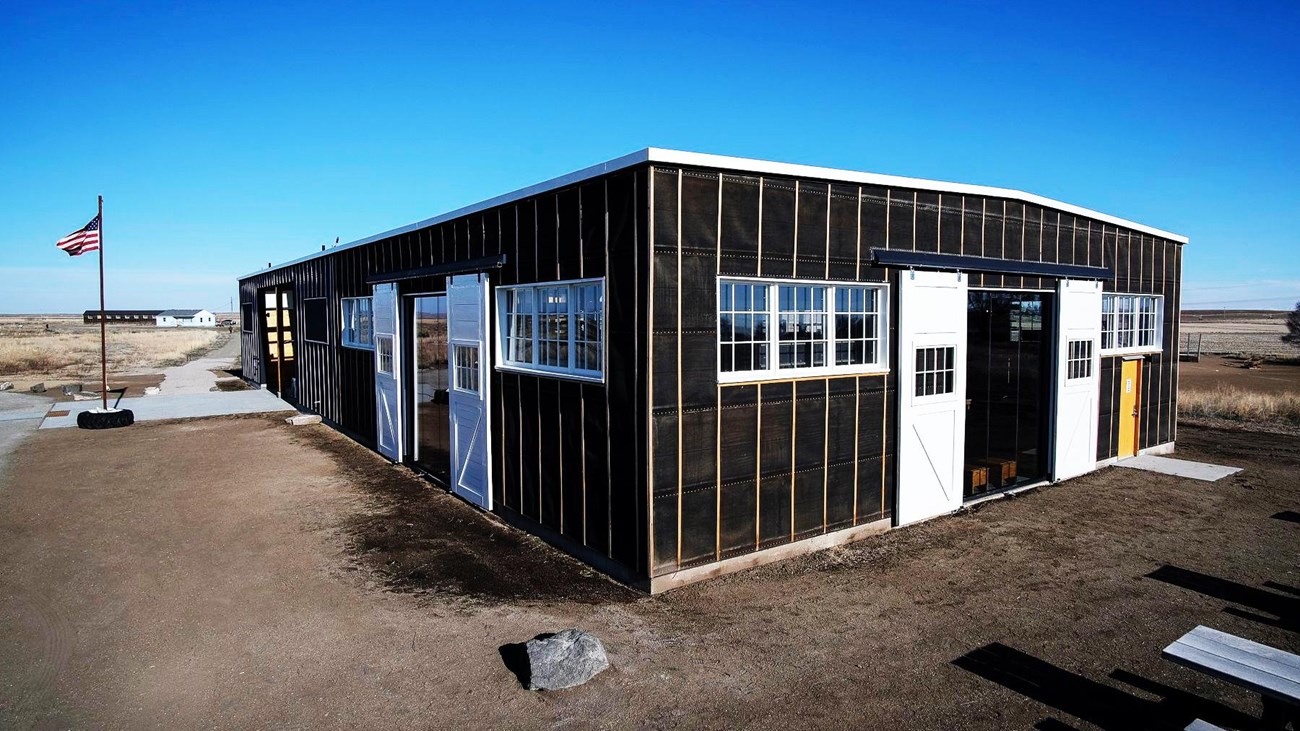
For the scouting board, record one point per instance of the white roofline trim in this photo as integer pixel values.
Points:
(741, 165)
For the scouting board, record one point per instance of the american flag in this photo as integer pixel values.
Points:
(82, 240)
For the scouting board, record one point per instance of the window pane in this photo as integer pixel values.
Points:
(742, 325)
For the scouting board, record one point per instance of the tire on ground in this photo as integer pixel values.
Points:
(105, 419)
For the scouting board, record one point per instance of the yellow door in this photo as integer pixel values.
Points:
(1130, 375)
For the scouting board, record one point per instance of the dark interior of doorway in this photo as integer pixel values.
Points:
(431, 452)
(1008, 389)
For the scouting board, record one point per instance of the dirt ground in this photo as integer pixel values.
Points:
(241, 573)
(1214, 371)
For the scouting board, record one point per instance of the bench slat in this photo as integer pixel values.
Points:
(1235, 672)
(1283, 667)
(1245, 645)
(1199, 725)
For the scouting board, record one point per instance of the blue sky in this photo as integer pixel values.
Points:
(224, 136)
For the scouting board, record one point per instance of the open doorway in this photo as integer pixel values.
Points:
(278, 342)
(1008, 389)
(431, 442)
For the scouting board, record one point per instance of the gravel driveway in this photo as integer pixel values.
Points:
(239, 573)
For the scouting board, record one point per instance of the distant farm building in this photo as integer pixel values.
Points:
(121, 316)
(186, 318)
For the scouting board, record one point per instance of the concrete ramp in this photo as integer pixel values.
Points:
(1178, 467)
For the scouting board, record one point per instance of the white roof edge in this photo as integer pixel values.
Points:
(701, 159)
(738, 164)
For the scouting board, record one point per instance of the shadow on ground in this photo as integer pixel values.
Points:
(1285, 606)
(1102, 705)
(418, 538)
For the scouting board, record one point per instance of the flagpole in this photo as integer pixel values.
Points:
(103, 337)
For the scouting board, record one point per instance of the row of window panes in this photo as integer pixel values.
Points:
(465, 368)
(803, 337)
(555, 327)
(1079, 360)
(1130, 321)
(935, 369)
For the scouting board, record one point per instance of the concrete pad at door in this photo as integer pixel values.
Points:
(20, 414)
(180, 406)
(1178, 467)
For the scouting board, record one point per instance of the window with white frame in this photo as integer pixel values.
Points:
(465, 368)
(935, 370)
(787, 329)
(358, 322)
(1079, 363)
(1131, 322)
(384, 351)
(555, 327)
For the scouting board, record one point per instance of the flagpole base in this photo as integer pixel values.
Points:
(105, 418)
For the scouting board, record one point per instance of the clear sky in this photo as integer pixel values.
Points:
(227, 135)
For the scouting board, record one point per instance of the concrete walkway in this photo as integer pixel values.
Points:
(196, 376)
(20, 414)
(1178, 467)
(179, 406)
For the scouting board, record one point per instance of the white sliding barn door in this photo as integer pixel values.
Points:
(388, 389)
(1078, 358)
(467, 329)
(931, 393)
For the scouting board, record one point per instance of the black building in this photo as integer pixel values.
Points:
(674, 365)
(120, 316)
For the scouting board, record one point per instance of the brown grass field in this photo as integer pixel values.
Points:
(1246, 374)
(1236, 332)
(34, 348)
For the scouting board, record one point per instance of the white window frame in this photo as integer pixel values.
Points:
(347, 331)
(774, 371)
(1078, 366)
(571, 371)
(940, 370)
(1110, 319)
(391, 355)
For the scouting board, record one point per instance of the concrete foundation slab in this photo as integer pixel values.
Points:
(1178, 467)
(180, 406)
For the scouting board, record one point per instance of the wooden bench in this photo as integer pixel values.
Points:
(1002, 471)
(1273, 673)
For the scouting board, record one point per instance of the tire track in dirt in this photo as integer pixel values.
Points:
(37, 617)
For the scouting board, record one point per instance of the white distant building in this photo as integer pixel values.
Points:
(185, 318)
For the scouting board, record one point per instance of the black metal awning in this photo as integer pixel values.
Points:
(958, 262)
(467, 266)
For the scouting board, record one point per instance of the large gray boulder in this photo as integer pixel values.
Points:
(564, 659)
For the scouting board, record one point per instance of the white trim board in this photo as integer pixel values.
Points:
(742, 165)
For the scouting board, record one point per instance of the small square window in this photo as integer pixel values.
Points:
(384, 354)
(935, 369)
(358, 322)
(465, 368)
(1079, 363)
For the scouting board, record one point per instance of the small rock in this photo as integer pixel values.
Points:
(152, 390)
(6, 386)
(71, 388)
(85, 396)
(38, 388)
(302, 420)
(564, 660)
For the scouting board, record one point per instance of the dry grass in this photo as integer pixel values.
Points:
(76, 354)
(1237, 405)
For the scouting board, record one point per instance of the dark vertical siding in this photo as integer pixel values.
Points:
(566, 455)
(738, 468)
